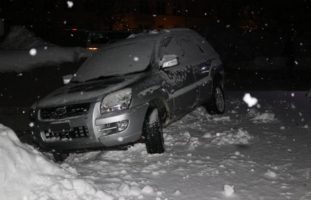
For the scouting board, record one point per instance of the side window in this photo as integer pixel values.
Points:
(170, 46)
(206, 47)
(192, 51)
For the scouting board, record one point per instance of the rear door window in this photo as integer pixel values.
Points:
(193, 53)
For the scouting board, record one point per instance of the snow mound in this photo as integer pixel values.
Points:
(21, 38)
(23, 60)
(26, 174)
(21, 50)
(240, 137)
(264, 118)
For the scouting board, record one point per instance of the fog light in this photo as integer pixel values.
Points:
(122, 125)
(109, 129)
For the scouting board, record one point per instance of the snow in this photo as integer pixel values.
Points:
(249, 100)
(21, 50)
(123, 57)
(264, 117)
(70, 4)
(27, 174)
(33, 52)
(228, 190)
(207, 157)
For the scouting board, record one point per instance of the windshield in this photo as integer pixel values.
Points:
(117, 59)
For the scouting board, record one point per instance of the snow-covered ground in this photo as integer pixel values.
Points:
(257, 153)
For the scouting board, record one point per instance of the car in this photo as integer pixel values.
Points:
(129, 91)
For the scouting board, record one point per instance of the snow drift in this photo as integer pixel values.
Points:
(16, 52)
(26, 174)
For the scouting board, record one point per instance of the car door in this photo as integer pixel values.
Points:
(208, 59)
(179, 79)
(196, 58)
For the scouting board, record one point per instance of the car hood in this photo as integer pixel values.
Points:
(87, 91)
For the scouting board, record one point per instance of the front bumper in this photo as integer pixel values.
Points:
(92, 130)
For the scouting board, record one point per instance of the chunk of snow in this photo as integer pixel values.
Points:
(207, 135)
(221, 119)
(153, 117)
(177, 193)
(147, 190)
(31, 124)
(228, 190)
(70, 4)
(136, 59)
(33, 52)
(241, 137)
(270, 174)
(264, 118)
(249, 100)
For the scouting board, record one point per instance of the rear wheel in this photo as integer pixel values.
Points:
(216, 105)
(153, 132)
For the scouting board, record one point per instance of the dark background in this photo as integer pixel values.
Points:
(251, 36)
(242, 31)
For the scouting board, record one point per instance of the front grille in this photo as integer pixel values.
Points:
(61, 112)
(69, 134)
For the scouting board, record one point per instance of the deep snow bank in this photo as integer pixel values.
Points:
(22, 60)
(26, 174)
(21, 50)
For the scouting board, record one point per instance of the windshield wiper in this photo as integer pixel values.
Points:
(101, 77)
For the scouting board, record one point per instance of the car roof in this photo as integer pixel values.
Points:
(151, 36)
(159, 34)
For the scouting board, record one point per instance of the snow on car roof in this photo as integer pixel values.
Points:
(158, 34)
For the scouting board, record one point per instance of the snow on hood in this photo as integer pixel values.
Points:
(21, 50)
(26, 174)
(87, 91)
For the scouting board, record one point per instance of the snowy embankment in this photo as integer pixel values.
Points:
(25, 174)
(21, 50)
(250, 153)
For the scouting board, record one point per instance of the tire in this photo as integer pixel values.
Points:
(60, 157)
(216, 104)
(153, 132)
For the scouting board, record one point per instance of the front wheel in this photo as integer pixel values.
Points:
(153, 132)
(216, 105)
(60, 157)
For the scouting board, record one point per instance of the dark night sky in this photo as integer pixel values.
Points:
(43, 12)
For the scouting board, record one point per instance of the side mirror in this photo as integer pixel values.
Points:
(67, 79)
(169, 61)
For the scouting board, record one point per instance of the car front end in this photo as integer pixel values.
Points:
(110, 121)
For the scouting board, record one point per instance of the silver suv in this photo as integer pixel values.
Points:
(129, 90)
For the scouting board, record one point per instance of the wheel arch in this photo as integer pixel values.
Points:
(162, 107)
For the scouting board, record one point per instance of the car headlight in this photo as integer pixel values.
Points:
(116, 101)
